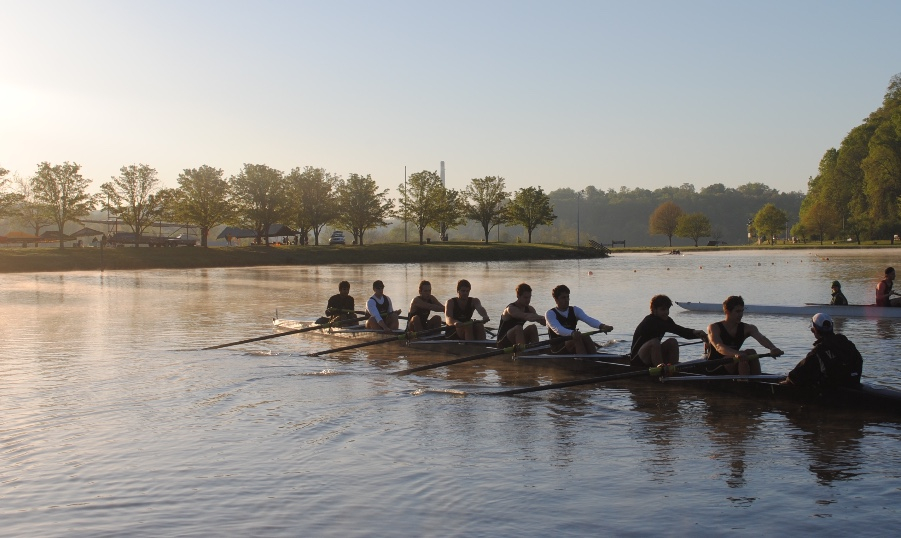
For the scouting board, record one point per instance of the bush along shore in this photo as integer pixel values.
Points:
(22, 260)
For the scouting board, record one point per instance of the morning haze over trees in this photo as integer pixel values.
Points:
(856, 193)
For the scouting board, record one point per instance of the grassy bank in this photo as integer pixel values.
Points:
(15, 260)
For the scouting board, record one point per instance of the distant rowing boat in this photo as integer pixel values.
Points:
(809, 309)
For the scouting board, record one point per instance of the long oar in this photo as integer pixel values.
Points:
(485, 355)
(656, 371)
(401, 337)
(286, 333)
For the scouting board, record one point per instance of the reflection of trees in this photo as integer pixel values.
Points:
(832, 443)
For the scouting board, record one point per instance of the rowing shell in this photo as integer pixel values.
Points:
(809, 309)
(351, 331)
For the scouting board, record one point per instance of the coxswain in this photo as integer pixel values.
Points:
(561, 322)
(458, 312)
(838, 298)
(833, 362)
(383, 315)
(511, 330)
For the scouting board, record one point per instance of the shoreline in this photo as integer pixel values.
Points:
(33, 260)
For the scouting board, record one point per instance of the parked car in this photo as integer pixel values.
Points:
(337, 238)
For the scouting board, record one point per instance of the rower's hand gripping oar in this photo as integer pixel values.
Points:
(286, 333)
(485, 355)
(655, 371)
(409, 335)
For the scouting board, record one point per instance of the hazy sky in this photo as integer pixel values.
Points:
(552, 94)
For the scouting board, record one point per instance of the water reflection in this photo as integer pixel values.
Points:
(831, 443)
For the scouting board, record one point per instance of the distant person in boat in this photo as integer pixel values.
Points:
(383, 315)
(511, 330)
(884, 290)
(562, 321)
(833, 362)
(421, 306)
(726, 337)
(340, 306)
(648, 346)
(838, 298)
(460, 309)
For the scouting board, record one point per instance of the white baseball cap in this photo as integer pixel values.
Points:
(822, 322)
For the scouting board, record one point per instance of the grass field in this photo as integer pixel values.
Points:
(15, 260)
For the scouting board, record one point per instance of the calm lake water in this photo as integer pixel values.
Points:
(112, 423)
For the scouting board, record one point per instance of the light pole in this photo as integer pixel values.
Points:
(578, 219)
(749, 231)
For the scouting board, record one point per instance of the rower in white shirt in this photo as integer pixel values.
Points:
(561, 322)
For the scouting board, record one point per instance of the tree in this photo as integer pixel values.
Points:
(362, 206)
(485, 197)
(821, 219)
(132, 196)
(260, 198)
(202, 199)
(530, 208)
(63, 193)
(313, 198)
(770, 221)
(799, 230)
(693, 226)
(665, 219)
(29, 212)
(9, 201)
(419, 200)
(451, 210)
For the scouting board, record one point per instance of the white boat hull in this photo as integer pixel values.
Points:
(847, 311)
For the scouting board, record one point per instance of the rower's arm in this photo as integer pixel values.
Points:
(477, 304)
(764, 341)
(449, 313)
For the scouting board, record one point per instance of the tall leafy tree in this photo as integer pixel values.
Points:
(314, 190)
(132, 196)
(361, 205)
(29, 212)
(530, 208)
(485, 197)
(693, 226)
(451, 210)
(203, 199)
(665, 219)
(62, 190)
(821, 219)
(9, 200)
(770, 221)
(419, 200)
(260, 198)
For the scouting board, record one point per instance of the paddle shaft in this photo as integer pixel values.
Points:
(485, 355)
(286, 333)
(653, 372)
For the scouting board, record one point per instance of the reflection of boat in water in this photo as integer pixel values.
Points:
(809, 309)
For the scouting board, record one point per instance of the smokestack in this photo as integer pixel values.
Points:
(443, 183)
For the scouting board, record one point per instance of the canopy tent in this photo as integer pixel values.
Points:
(54, 235)
(87, 232)
(275, 230)
(21, 235)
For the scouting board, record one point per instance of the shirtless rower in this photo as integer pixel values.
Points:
(460, 309)
(383, 315)
(726, 337)
(421, 306)
(562, 320)
(884, 293)
(511, 330)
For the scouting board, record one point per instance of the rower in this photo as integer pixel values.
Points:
(458, 312)
(726, 337)
(838, 298)
(340, 306)
(562, 321)
(833, 362)
(648, 346)
(379, 306)
(511, 330)
(421, 306)
(884, 290)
